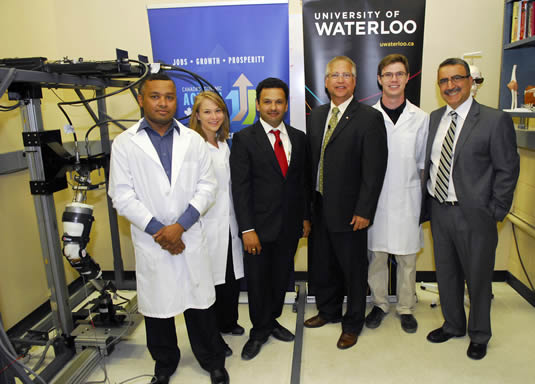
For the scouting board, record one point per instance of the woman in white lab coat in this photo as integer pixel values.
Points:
(210, 119)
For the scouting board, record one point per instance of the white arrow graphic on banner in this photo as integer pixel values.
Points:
(242, 83)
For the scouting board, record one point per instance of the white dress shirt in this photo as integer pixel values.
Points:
(283, 135)
(285, 142)
(445, 121)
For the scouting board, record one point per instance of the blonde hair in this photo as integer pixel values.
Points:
(223, 132)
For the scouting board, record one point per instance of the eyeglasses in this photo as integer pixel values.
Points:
(454, 79)
(336, 75)
(390, 75)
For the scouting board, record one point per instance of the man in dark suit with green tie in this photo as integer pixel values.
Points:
(348, 149)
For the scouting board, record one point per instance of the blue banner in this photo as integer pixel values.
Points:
(234, 47)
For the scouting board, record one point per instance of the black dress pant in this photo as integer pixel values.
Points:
(267, 277)
(338, 267)
(205, 340)
(227, 296)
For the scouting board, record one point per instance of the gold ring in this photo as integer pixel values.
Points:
(254, 249)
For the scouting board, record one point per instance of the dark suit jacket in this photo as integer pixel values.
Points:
(485, 163)
(264, 200)
(354, 163)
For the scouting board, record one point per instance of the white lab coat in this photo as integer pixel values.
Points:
(220, 216)
(167, 284)
(396, 227)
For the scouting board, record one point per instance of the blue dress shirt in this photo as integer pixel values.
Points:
(164, 149)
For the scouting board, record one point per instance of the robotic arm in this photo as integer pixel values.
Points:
(77, 221)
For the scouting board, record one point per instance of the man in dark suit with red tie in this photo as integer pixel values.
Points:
(270, 192)
(348, 149)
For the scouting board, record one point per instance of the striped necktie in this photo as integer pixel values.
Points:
(333, 121)
(446, 161)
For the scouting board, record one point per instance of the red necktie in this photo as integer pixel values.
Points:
(279, 152)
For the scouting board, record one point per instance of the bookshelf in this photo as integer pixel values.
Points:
(530, 41)
(521, 53)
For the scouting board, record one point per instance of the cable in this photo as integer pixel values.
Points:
(106, 122)
(43, 355)
(117, 338)
(122, 297)
(520, 258)
(5, 339)
(18, 372)
(194, 75)
(10, 364)
(98, 125)
(7, 108)
(131, 85)
(21, 365)
(199, 79)
(102, 363)
(153, 378)
(106, 379)
(94, 93)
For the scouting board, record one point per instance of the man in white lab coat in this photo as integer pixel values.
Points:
(396, 229)
(161, 180)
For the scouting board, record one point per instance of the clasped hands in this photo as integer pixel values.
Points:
(170, 238)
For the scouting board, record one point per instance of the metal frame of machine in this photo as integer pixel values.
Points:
(48, 159)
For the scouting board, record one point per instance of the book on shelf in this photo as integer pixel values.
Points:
(531, 14)
(522, 21)
(515, 21)
(528, 19)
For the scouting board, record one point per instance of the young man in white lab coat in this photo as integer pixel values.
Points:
(396, 229)
(161, 180)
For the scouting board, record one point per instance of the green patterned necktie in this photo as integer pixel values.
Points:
(330, 129)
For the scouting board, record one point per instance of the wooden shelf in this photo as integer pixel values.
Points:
(529, 115)
(529, 42)
(525, 139)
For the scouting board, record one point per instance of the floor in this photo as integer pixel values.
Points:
(384, 355)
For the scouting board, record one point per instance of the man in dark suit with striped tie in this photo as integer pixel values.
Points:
(471, 170)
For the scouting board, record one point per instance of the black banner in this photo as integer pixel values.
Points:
(365, 31)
